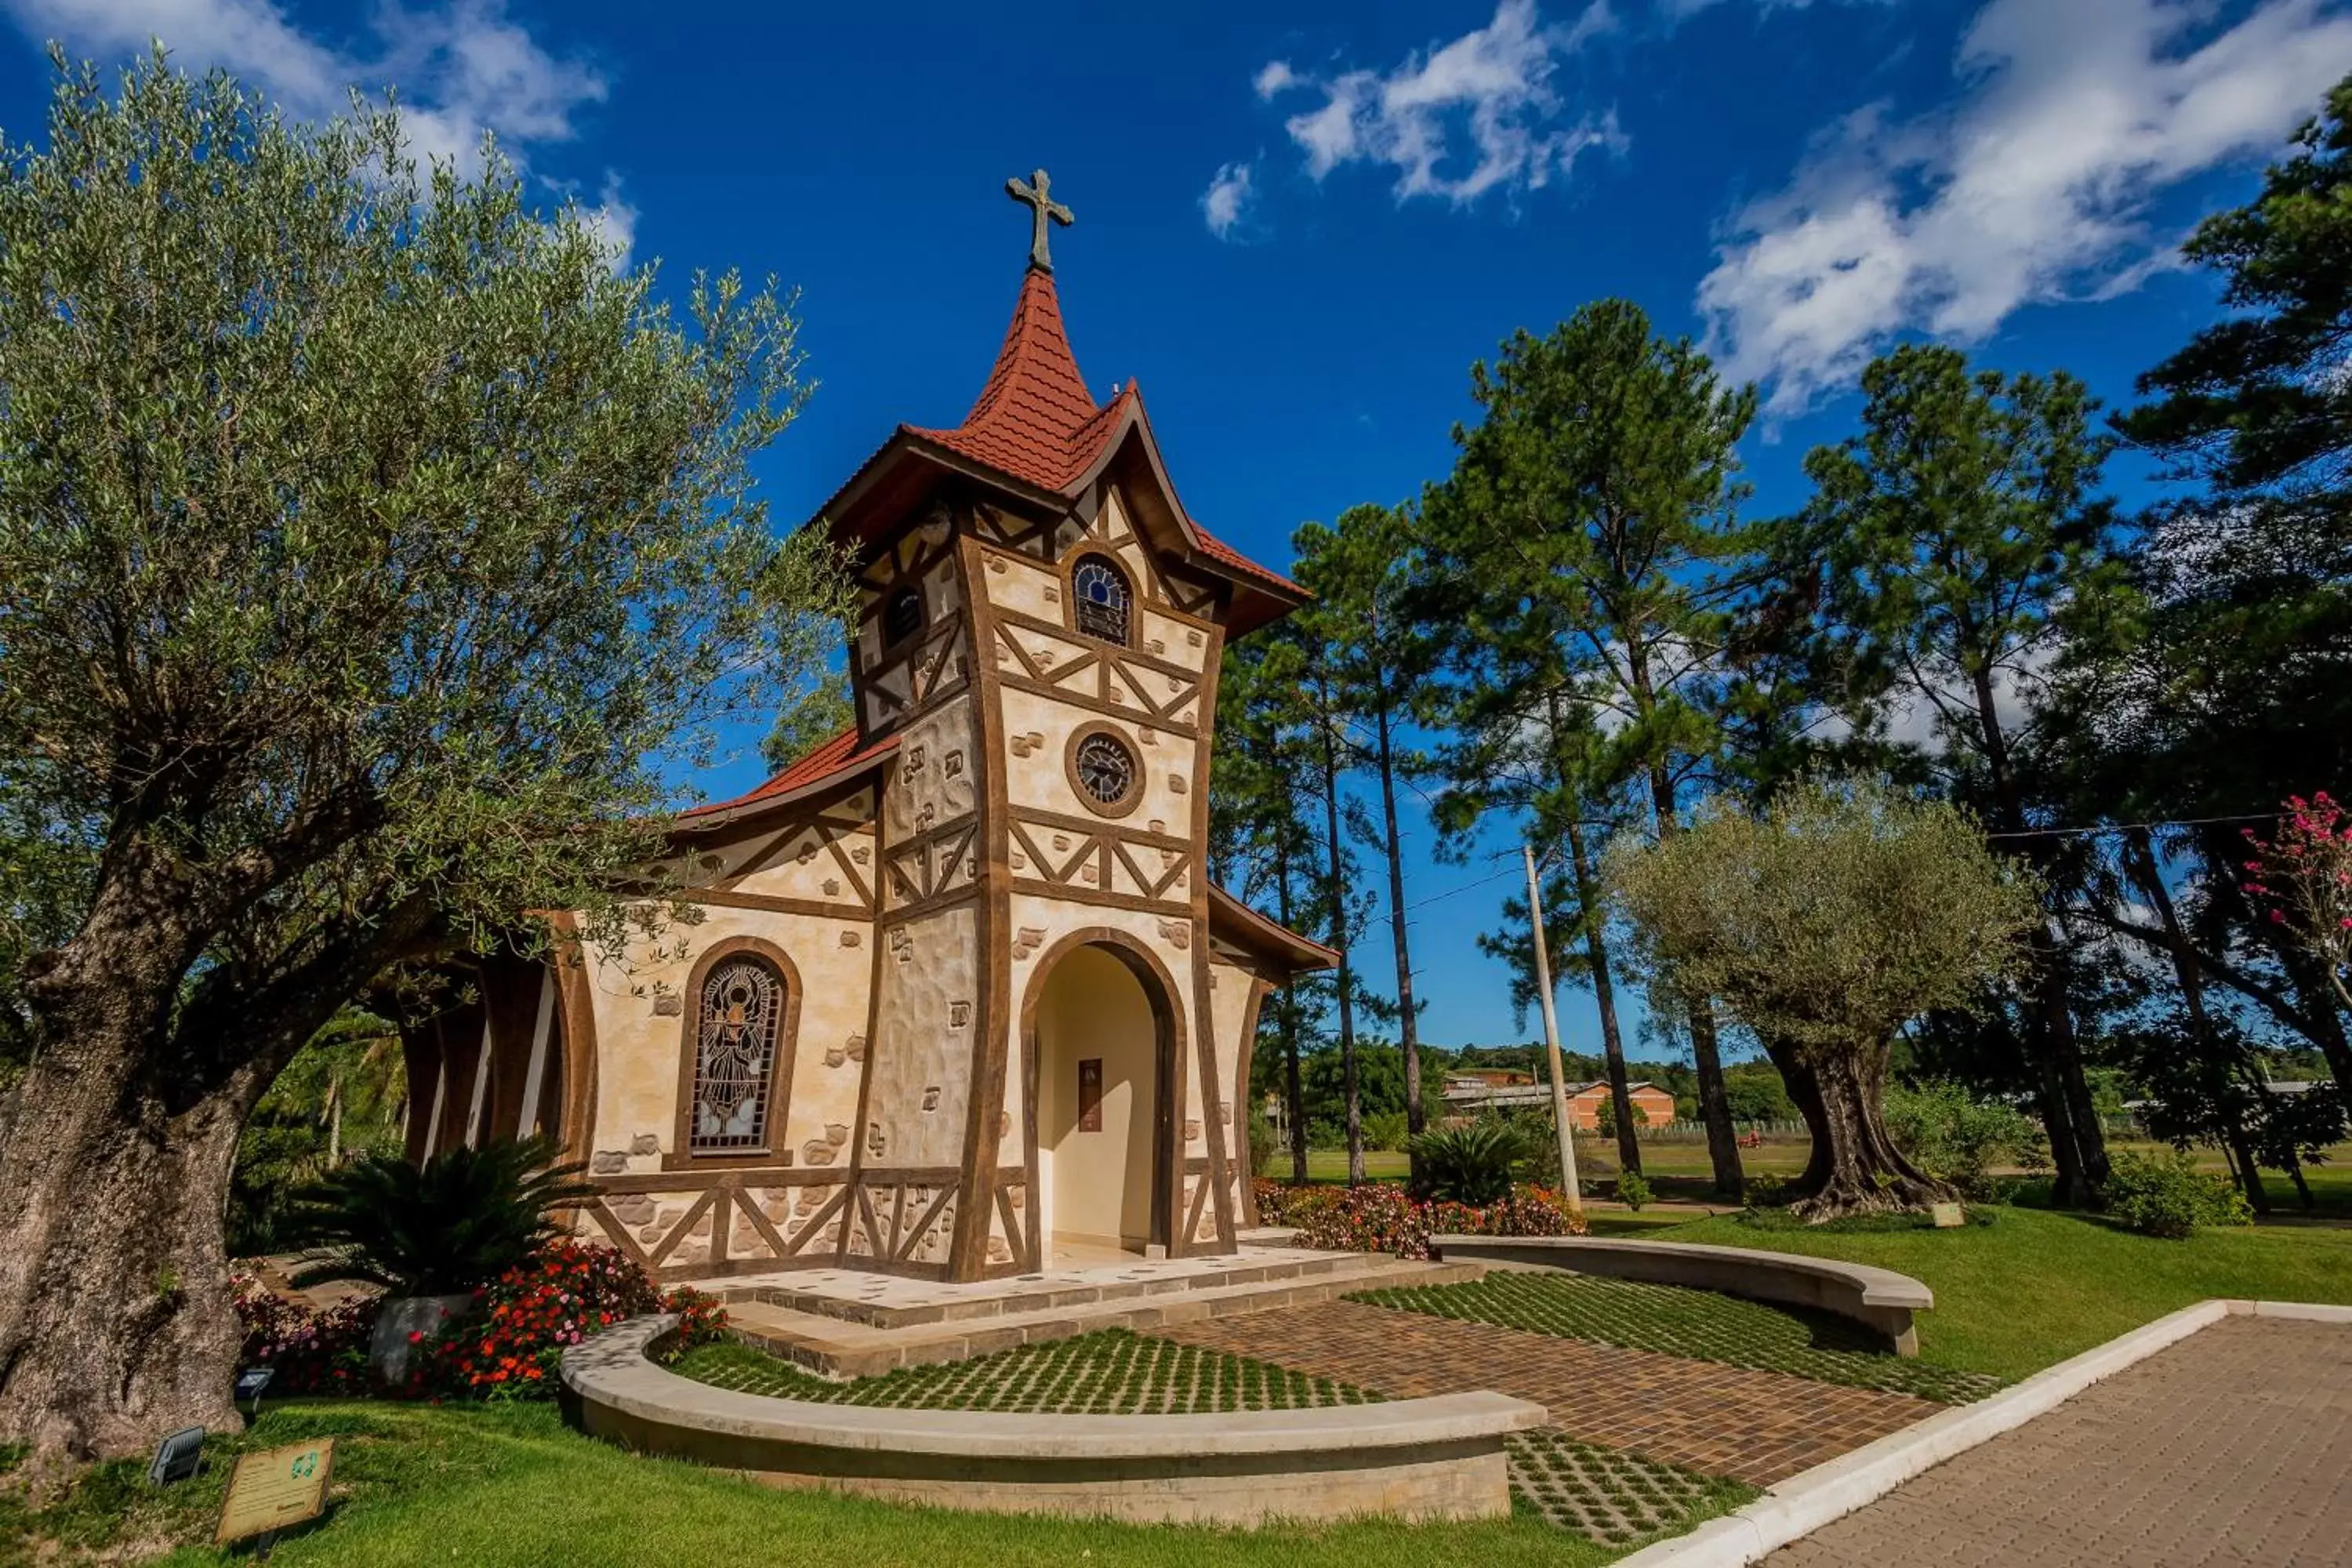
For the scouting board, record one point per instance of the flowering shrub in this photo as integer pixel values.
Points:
(512, 1343)
(1382, 1217)
(2305, 878)
(701, 1321)
(1281, 1203)
(314, 1351)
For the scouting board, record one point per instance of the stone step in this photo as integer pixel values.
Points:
(836, 1347)
(897, 1304)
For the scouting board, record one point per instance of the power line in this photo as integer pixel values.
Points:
(1464, 888)
(2132, 826)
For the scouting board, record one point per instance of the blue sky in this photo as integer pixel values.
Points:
(1299, 222)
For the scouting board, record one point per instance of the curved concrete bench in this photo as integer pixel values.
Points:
(1416, 1459)
(1879, 1298)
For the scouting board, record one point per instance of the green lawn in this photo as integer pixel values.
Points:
(2034, 1287)
(492, 1487)
(1331, 1165)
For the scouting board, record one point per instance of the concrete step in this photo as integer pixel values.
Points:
(899, 1304)
(836, 1347)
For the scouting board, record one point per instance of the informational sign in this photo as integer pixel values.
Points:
(1090, 1095)
(273, 1490)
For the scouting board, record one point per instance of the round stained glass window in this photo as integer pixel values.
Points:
(1104, 769)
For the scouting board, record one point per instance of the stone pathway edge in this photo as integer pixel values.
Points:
(1805, 1502)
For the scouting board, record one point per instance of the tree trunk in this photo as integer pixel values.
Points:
(1294, 1091)
(1713, 1104)
(1604, 996)
(334, 1122)
(2250, 1176)
(1854, 1167)
(116, 1321)
(2139, 852)
(116, 1324)
(2083, 1168)
(2068, 1187)
(1408, 1034)
(1336, 888)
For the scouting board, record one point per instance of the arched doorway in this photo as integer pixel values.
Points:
(1103, 1049)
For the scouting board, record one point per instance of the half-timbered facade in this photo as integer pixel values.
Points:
(961, 999)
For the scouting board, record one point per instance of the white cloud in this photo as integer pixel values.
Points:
(1227, 201)
(2035, 188)
(1677, 10)
(1492, 87)
(461, 68)
(615, 221)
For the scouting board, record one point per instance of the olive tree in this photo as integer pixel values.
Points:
(373, 556)
(1824, 921)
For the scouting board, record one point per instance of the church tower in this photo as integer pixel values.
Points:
(1039, 626)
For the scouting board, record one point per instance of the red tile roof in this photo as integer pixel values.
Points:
(1036, 420)
(837, 759)
(1213, 546)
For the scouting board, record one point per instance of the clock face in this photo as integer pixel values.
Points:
(1106, 769)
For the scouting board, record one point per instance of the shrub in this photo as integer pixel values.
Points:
(1606, 1124)
(312, 1349)
(1381, 1216)
(1470, 1164)
(459, 1220)
(1633, 1189)
(567, 1291)
(1261, 1145)
(2167, 1196)
(1386, 1131)
(1279, 1203)
(1956, 1138)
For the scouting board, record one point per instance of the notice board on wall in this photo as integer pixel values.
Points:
(1090, 1095)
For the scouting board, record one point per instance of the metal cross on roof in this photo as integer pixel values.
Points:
(1037, 194)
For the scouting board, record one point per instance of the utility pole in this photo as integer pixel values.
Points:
(1551, 1039)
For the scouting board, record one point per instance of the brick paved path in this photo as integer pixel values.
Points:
(1754, 1426)
(2233, 1447)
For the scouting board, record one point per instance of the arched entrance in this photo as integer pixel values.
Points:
(1102, 1049)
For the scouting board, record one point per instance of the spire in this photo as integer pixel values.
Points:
(1034, 419)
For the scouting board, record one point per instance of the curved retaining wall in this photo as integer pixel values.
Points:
(1414, 1458)
(1878, 1299)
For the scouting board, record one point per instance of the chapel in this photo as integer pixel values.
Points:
(962, 1002)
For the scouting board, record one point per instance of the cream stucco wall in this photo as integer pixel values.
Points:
(641, 1046)
(1096, 1186)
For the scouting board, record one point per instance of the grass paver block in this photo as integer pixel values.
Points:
(1111, 1372)
(1704, 1325)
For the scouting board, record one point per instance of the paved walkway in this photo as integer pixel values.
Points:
(1755, 1427)
(2233, 1447)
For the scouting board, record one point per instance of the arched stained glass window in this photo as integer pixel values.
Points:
(741, 1009)
(1099, 592)
(903, 617)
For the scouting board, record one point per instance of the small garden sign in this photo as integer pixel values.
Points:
(276, 1488)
